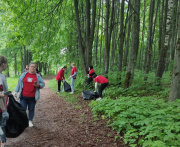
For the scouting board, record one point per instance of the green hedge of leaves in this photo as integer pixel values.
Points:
(144, 121)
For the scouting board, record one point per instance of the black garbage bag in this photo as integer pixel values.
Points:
(66, 87)
(89, 95)
(18, 119)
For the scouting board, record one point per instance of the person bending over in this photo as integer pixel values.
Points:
(60, 78)
(101, 80)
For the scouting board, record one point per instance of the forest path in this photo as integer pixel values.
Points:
(58, 124)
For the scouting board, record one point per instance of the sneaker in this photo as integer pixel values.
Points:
(30, 124)
(5, 115)
(2, 144)
(98, 99)
(71, 92)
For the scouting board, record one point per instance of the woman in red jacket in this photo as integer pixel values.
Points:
(60, 77)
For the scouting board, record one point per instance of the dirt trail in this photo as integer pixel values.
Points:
(57, 124)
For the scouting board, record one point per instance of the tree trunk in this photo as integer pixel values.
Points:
(108, 32)
(106, 49)
(163, 51)
(175, 83)
(81, 46)
(134, 45)
(121, 37)
(15, 64)
(88, 49)
(100, 51)
(97, 35)
(22, 61)
(149, 40)
(128, 39)
(142, 39)
(174, 31)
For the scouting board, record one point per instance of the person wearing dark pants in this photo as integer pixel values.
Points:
(101, 80)
(28, 87)
(60, 77)
(29, 102)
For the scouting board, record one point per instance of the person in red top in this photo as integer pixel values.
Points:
(90, 74)
(60, 78)
(101, 80)
(28, 88)
(73, 77)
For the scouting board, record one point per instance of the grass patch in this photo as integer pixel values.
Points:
(72, 99)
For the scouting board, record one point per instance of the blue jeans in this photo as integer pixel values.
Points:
(30, 103)
(72, 84)
(3, 137)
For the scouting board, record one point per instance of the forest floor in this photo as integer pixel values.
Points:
(58, 124)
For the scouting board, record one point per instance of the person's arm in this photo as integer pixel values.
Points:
(2, 102)
(96, 86)
(74, 74)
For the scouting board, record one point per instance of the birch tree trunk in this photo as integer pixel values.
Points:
(134, 45)
(175, 83)
(163, 51)
(174, 30)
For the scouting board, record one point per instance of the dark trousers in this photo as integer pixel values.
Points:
(29, 102)
(58, 86)
(101, 88)
(90, 80)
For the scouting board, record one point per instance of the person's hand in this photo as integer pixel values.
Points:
(15, 94)
(2, 95)
(36, 84)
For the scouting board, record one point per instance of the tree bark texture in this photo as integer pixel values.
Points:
(163, 51)
(134, 45)
(175, 83)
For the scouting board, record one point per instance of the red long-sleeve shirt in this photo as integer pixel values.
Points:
(60, 75)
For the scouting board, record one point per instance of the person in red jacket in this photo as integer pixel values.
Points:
(60, 78)
(101, 80)
(90, 74)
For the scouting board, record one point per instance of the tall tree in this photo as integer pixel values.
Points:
(85, 48)
(163, 51)
(134, 45)
(107, 34)
(121, 37)
(149, 39)
(175, 83)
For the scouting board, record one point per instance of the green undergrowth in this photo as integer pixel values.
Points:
(144, 121)
(72, 99)
(141, 114)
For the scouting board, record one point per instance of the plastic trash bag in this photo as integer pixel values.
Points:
(18, 120)
(89, 95)
(66, 87)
